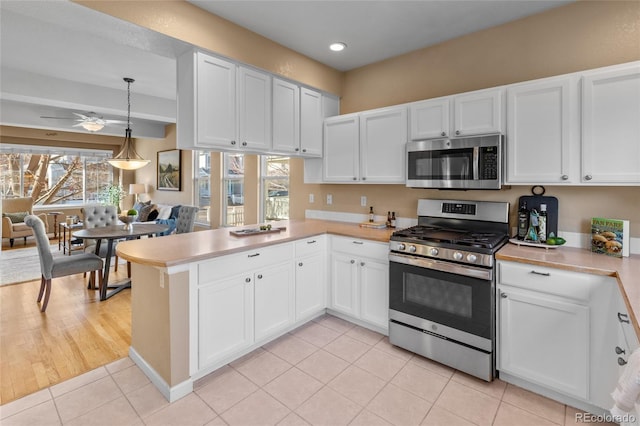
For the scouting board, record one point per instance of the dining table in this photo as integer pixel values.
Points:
(113, 233)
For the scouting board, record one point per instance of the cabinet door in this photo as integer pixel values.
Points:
(478, 113)
(344, 285)
(311, 118)
(374, 292)
(341, 149)
(610, 126)
(286, 117)
(225, 318)
(215, 102)
(254, 109)
(273, 300)
(310, 286)
(541, 128)
(383, 135)
(430, 119)
(544, 340)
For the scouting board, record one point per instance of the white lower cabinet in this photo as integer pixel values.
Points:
(273, 299)
(225, 318)
(360, 280)
(562, 333)
(310, 280)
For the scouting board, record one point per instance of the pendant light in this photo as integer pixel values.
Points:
(128, 158)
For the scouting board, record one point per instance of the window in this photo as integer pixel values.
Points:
(202, 185)
(233, 189)
(274, 178)
(60, 177)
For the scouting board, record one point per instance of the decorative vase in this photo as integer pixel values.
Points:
(127, 220)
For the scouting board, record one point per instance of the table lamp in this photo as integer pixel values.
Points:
(137, 188)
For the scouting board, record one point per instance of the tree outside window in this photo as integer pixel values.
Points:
(275, 187)
(233, 189)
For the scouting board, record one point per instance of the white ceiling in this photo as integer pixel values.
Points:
(58, 57)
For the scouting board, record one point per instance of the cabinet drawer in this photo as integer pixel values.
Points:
(233, 264)
(360, 247)
(311, 245)
(573, 285)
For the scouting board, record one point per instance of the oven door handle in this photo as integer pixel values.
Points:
(438, 265)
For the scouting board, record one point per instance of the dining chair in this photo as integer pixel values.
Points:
(186, 219)
(95, 216)
(51, 267)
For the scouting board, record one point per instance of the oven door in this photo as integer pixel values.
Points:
(445, 298)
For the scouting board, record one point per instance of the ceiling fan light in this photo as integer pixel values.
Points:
(92, 126)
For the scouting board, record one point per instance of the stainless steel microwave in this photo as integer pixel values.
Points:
(460, 163)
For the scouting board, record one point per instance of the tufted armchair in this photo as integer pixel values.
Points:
(13, 214)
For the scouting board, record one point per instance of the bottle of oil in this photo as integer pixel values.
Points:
(388, 219)
(371, 215)
(393, 219)
(523, 221)
(542, 224)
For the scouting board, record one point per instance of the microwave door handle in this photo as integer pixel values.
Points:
(476, 161)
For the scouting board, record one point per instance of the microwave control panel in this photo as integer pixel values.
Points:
(489, 163)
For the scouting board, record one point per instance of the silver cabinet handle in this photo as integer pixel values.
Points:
(361, 263)
(503, 295)
(623, 317)
(233, 142)
(247, 280)
(304, 149)
(588, 177)
(358, 242)
(565, 177)
(259, 276)
(619, 350)
(311, 242)
(621, 361)
(353, 261)
(244, 143)
(364, 178)
(443, 134)
(300, 264)
(544, 274)
(253, 255)
(355, 178)
(457, 132)
(297, 149)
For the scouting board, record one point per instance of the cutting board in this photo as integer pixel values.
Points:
(534, 202)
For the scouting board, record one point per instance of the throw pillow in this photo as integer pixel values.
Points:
(153, 215)
(16, 217)
(139, 205)
(165, 212)
(143, 213)
(175, 210)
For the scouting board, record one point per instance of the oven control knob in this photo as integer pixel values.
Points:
(412, 249)
(457, 256)
(433, 251)
(401, 246)
(472, 258)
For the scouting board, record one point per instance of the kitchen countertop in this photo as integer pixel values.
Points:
(174, 250)
(180, 249)
(626, 270)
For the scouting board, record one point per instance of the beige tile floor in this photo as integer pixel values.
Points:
(327, 372)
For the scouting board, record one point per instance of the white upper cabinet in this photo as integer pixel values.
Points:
(254, 110)
(368, 147)
(311, 119)
(467, 114)
(286, 116)
(341, 149)
(383, 135)
(430, 119)
(611, 125)
(542, 131)
(478, 113)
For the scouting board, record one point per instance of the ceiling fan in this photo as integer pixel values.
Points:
(89, 121)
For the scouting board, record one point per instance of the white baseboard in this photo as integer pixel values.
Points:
(170, 393)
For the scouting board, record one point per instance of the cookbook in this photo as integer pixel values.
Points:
(610, 236)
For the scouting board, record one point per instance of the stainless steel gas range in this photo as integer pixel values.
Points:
(442, 283)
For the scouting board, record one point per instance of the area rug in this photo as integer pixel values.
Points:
(20, 265)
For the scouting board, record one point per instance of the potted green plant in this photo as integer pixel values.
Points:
(112, 195)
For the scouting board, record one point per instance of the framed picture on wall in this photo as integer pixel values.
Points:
(169, 172)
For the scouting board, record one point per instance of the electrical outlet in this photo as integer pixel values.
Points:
(312, 199)
(329, 199)
(363, 201)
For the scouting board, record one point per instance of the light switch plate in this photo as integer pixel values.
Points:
(329, 199)
(312, 198)
(363, 201)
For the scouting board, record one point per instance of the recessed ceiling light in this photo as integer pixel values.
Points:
(338, 46)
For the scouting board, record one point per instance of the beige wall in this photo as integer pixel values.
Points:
(582, 35)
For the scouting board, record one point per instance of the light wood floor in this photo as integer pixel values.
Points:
(76, 334)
